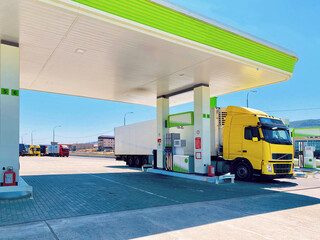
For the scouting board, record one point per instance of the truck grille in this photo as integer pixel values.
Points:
(282, 168)
(282, 156)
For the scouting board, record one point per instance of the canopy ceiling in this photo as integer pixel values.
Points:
(70, 47)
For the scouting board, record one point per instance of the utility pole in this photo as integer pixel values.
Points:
(32, 136)
(22, 137)
(124, 119)
(53, 132)
(254, 91)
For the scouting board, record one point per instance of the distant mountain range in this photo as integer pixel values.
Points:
(305, 123)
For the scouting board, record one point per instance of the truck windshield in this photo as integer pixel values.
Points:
(65, 149)
(276, 135)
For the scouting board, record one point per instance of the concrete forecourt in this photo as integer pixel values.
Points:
(100, 198)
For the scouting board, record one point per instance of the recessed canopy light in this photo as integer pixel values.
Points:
(80, 51)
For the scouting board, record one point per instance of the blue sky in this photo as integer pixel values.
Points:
(293, 24)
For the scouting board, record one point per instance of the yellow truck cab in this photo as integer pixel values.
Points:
(256, 144)
(35, 150)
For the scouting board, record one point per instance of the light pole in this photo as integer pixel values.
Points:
(53, 132)
(124, 119)
(254, 91)
(22, 137)
(32, 136)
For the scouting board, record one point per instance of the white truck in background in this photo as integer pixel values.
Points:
(57, 150)
(53, 150)
(135, 143)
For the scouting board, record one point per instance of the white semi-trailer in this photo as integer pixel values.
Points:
(135, 143)
(53, 150)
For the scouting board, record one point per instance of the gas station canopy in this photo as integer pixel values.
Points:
(134, 50)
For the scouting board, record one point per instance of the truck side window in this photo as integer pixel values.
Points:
(248, 133)
(255, 132)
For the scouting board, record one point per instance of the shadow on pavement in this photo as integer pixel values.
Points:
(123, 167)
(64, 196)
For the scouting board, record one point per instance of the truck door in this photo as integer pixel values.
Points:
(252, 147)
(235, 143)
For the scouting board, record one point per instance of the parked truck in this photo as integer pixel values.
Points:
(135, 143)
(43, 150)
(30, 150)
(53, 150)
(58, 151)
(22, 149)
(27, 150)
(35, 150)
(64, 151)
(246, 142)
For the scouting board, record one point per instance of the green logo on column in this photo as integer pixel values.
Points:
(15, 92)
(5, 91)
(186, 160)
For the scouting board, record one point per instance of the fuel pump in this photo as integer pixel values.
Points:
(169, 150)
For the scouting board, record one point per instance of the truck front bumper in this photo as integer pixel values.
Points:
(272, 170)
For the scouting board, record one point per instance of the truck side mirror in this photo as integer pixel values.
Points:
(255, 139)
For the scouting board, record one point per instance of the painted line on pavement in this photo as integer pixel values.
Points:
(135, 188)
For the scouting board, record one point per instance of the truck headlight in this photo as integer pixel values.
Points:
(269, 167)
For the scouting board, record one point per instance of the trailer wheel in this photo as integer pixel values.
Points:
(144, 160)
(130, 161)
(136, 161)
(243, 172)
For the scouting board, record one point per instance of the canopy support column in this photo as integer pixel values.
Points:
(162, 116)
(202, 144)
(9, 108)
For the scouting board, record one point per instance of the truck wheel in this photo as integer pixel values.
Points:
(137, 162)
(243, 172)
(144, 160)
(130, 161)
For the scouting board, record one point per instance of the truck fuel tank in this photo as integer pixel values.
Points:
(221, 166)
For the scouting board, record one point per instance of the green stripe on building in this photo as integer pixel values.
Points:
(310, 132)
(179, 24)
